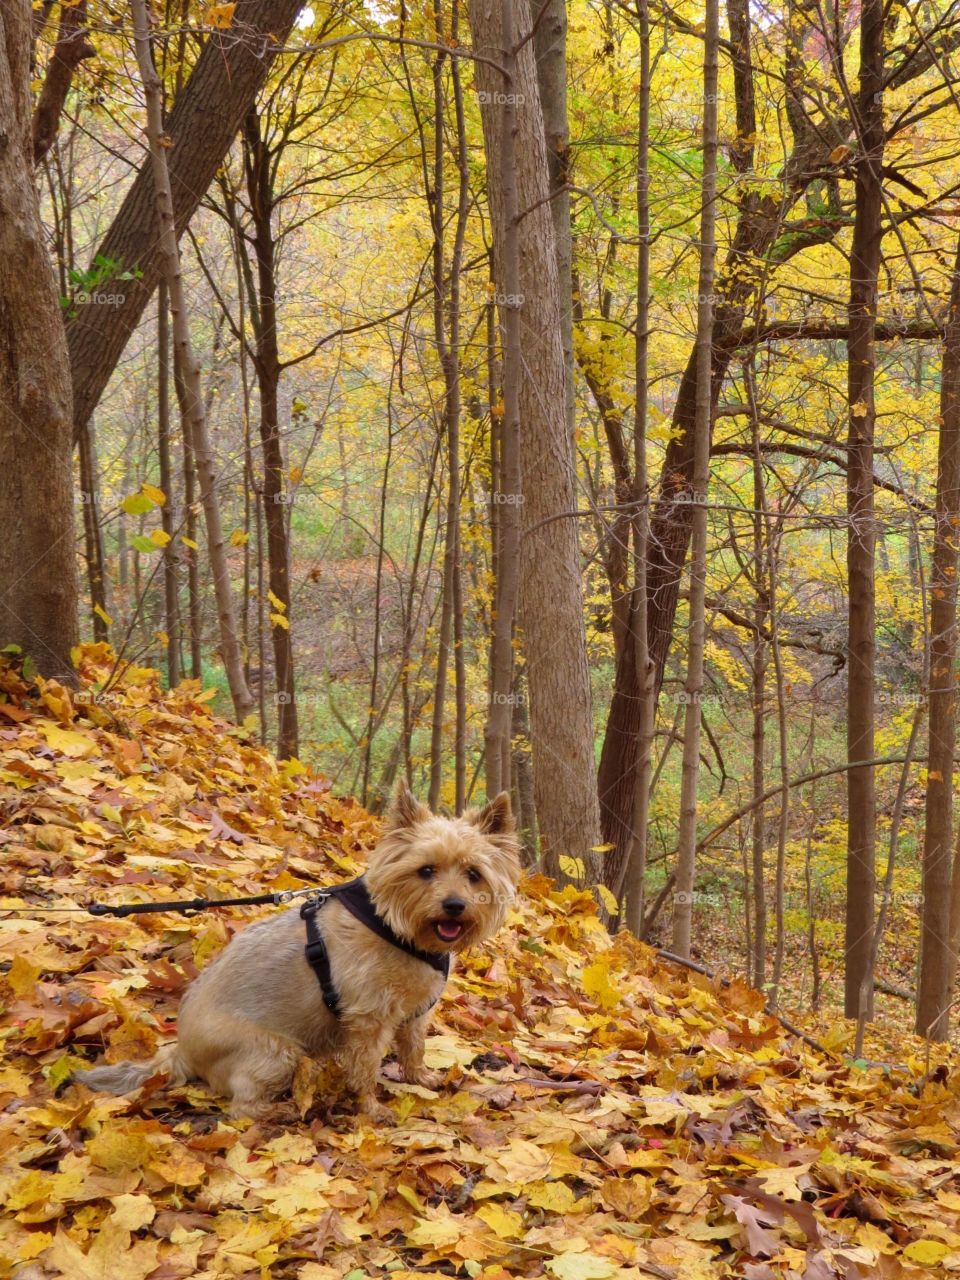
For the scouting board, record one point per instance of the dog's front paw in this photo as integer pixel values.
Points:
(377, 1113)
(425, 1077)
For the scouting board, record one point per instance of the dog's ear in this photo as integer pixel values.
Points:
(496, 816)
(405, 810)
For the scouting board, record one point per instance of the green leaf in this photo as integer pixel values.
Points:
(143, 544)
(137, 504)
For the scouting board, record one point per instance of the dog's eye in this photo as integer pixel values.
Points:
(474, 876)
(425, 873)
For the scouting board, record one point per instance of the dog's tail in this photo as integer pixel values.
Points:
(124, 1077)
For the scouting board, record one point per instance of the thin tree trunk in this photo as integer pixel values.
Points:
(506, 495)
(194, 417)
(687, 840)
(38, 571)
(758, 775)
(446, 319)
(554, 641)
(194, 610)
(862, 535)
(635, 863)
(259, 174)
(92, 535)
(941, 889)
(168, 520)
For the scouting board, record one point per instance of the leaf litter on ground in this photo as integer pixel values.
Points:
(605, 1116)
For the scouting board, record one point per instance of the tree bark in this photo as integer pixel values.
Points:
(38, 569)
(194, 415)
(259, 172)
(92, 536)
(550, 43)
(861, 533)
(171, 592)
(690, 776)
(551, 592)
(936, 934)
(204, 121)
(71, 49)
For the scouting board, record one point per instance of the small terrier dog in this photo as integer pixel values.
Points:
(436, 885)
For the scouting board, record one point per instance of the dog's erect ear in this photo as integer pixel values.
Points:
(496, 817)
(405, 810)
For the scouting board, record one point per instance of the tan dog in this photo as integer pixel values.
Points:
(439, 884)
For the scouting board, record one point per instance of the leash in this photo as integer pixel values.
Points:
(189, 907)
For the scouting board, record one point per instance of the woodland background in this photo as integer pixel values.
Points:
(543, 396)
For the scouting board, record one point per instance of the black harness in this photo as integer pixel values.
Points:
(355, 896)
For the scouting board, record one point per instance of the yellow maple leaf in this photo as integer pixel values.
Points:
(157, 495)
(220, 16)
(596, 983)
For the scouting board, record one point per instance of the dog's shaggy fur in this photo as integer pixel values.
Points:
(439, 883)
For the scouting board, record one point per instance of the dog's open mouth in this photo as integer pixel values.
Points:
(448, 930)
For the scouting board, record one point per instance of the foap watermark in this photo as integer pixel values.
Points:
(894, 698)
(508, 699)
(500, 499)
(698, 698)
(500, 99)
(98, 298)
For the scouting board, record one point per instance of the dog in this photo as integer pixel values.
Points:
(322, 982)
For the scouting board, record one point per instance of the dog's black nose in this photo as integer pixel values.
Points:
(454, 906)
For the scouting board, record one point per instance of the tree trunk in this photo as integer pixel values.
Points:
(936, 932)
(550, 575)
(92, 535)
(550, 43)
(259, 186)
(687, 837)
(38, 569)
(194, 415)
(635, 863)
(199, 130)
(171, 600)
(861, 533)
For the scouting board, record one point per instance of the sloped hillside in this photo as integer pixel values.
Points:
(605, 1117)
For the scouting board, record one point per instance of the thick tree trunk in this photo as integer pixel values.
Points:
(71, 49)
(551, 589)
(861, 533)
(200, 128)
(550, 43)
(690, 776)
(259, 186)
(936, 956)
(194, 415)
(38, 567)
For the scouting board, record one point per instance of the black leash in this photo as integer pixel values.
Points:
(193, 905)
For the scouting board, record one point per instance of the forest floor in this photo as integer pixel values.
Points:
(606, 1115)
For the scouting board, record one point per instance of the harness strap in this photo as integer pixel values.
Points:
(355, 896)
(317, 957)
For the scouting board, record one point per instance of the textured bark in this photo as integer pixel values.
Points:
(168, 520)
(92, 537)
(550, 43)
(71, 49)
(703, 416)
(551, 594)
(189, 386)
(38, 569)
(936, 934)
(259, 170)
(203, 123)
(861, 530)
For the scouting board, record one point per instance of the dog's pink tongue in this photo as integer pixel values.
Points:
(448, 930)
